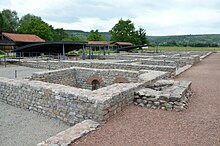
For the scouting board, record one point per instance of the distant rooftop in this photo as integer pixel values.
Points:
(23, 37)
(100, 42)
(109, 42)
(124, 43)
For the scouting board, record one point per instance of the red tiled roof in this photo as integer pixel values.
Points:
(99, 42)
(124, 43)
(23, 37)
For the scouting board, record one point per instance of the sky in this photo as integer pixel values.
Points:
(157, 17)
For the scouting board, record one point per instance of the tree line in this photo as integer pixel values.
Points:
(204, 40)
(189, 44)
(123, 31)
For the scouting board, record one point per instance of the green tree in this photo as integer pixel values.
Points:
(76, 38)
(67, 39)
(73, 38)
(2, 23)
(123, 31)
(9, 21)
(171, 43)
(30, 24)
(141, 37)
(59, 34)
(95, 36)
(26, 18)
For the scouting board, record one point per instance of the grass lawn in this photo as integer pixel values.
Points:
(184, 48)
(2, 56)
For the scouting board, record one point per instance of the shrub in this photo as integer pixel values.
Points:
(73, 53)
(2, 52)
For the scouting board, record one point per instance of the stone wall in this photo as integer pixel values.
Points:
(180, 59)
(158, 62)
(83, 77)
(170, 53)
(68, 104)
(97, 65)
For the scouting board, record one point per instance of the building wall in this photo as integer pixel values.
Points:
(83, 77)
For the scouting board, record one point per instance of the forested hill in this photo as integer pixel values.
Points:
(83, 34)
(204, 40)
(184, 40)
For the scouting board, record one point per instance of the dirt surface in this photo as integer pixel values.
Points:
(22, 71)
(19, 127)
(199, 125)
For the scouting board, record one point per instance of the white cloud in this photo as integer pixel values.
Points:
(88, 24)
(158, 17)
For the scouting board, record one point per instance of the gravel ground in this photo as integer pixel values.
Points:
(199, 125)
(9, 71)
(19, 127)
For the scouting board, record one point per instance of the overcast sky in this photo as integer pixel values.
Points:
(158, 17)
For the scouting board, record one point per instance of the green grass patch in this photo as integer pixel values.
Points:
(9, 57)
(2, 56)
(184, 48)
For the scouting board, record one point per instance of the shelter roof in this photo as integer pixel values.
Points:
(124, 43)
(23, 37)
(51, 47)
(100, 42)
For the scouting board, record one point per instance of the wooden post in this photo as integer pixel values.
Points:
(104, 51)
(89, 52)
(19, 58)
(5, 60)
(16, 74)
(83, 56)
(63, 52)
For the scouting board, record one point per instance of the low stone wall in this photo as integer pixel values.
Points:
(158, 62)
(98, 65)
(83, 77)
(203, 56)
(161, 60)
(179, 60)
(73, 105)
(170, 53)
(65, 138)
(163, 97)
(68, 104)
(130, 56)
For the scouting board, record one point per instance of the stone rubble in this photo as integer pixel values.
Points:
(166, 95)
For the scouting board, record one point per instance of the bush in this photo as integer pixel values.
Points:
(135, 50)
(73, 53)
(111, 51)
(2, 52)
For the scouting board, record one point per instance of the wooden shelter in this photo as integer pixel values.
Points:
(11, 41)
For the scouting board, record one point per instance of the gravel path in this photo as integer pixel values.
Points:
(199, 125)
(9, 71)
(19, 127)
